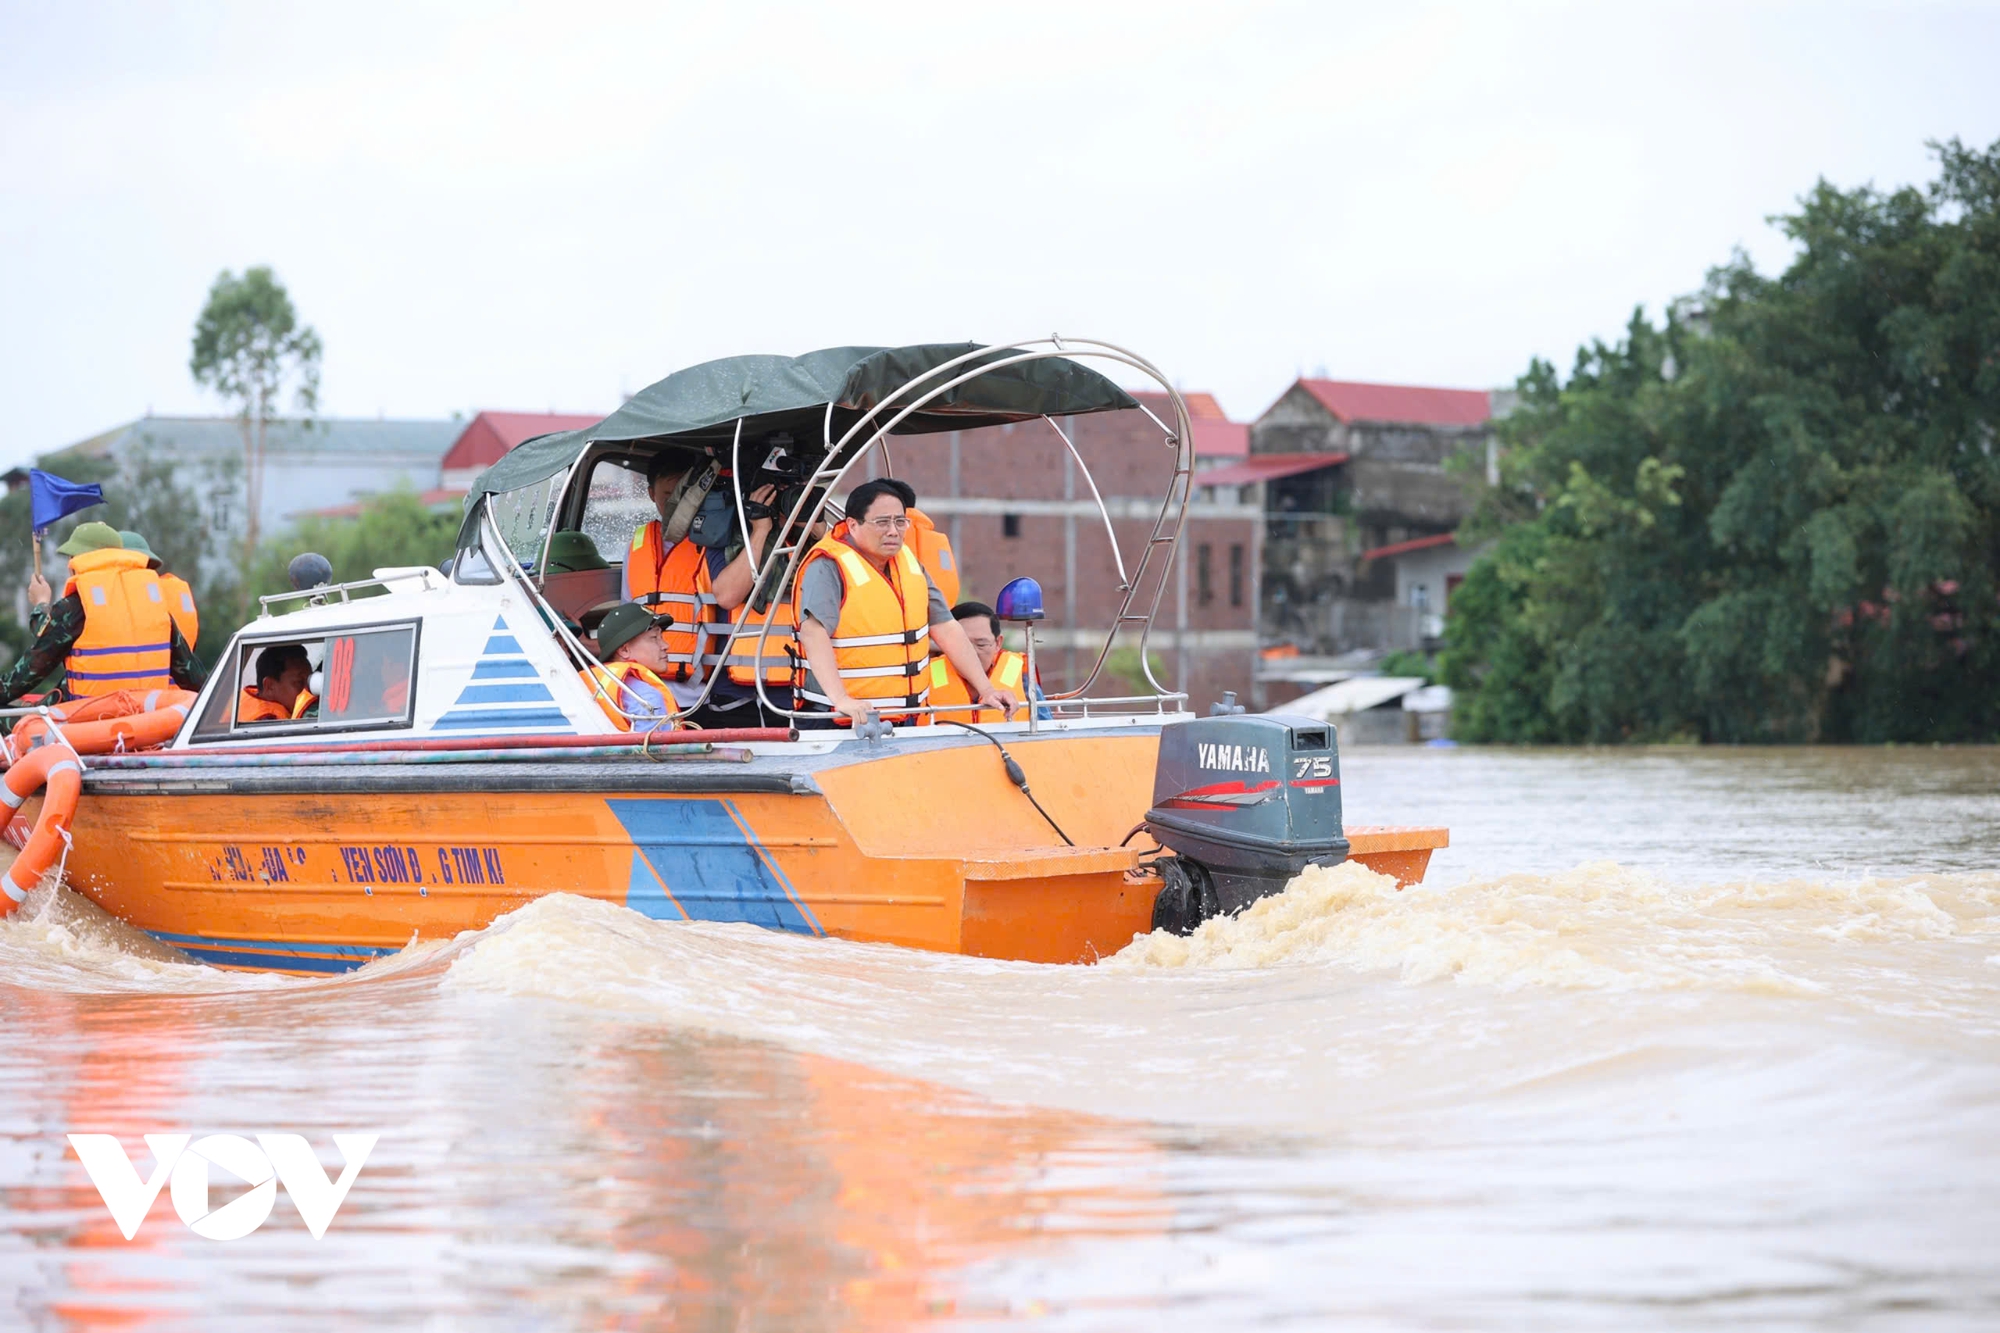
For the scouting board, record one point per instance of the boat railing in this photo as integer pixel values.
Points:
(1059, 707)
(1161, 544)
(320, 595)
(784, 555)
(47, 713)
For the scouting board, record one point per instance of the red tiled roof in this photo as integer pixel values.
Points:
(1215, 435)
(1414, 544)
(1201, 406)
(1220, 439)
(490, 435)
(1264, 467)
(1410, 403)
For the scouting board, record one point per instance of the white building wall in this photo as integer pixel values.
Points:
(1421, 580)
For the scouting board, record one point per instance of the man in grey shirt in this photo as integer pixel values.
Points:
(876, 510)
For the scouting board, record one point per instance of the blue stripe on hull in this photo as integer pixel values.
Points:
(528, 692)
(361, 951)
(273, 955)
(503, 668)
(271, 962)
(709, 865)
(553, 718)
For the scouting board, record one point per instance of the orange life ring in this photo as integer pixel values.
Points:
(58, 768)
(129, 719)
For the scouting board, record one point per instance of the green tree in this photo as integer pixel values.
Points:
(1776, 515)
(1123, 673)
(393, 529)
(248, 346)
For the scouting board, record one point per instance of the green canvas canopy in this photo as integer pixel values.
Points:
(702, 404)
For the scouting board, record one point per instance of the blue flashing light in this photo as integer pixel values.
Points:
(1020, 600)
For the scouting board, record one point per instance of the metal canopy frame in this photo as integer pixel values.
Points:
(790, 542)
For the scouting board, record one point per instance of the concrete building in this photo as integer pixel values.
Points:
(1014, 503)
(307, 463)
(324, 466)
(1424, 572)
(1360, 486)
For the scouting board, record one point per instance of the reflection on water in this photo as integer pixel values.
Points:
(1670, 1038)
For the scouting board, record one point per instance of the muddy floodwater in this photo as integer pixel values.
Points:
(1669, 1039)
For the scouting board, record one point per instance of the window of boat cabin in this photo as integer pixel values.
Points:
(523, 517)
(362, 680)
(616, 505)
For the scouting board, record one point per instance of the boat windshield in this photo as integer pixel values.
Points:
(615, 506)
(522, 518)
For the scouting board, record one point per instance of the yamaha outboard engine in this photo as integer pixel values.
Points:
(1245, 803)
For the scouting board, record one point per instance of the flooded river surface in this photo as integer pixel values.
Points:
(1668, 1039)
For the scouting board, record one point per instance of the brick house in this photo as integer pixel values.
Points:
(1014, 502)
(1353, 480)
(491, 434)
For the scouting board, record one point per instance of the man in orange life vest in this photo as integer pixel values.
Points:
(630, 687)
(1004, 667)
(180, 597)
(280, 694)
(868, 612)
(699, 587)
(110, 629)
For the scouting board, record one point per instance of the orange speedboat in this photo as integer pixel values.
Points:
(458, 766)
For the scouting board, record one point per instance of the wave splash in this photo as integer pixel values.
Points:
(1599, 926)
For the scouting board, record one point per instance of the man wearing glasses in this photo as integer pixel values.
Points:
(867, 615)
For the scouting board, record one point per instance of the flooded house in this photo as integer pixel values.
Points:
(1360, 488)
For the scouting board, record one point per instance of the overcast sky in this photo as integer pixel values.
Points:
(543, 206)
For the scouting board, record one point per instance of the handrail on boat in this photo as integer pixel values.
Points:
(828, 476)
(1168, 525)
(318, 595)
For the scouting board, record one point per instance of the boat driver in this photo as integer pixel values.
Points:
(280, 694)
(868, 612)
(630, 686)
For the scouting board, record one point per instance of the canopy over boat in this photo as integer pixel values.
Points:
(702, 404)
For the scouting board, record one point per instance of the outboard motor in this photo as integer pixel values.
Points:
(1245, 803)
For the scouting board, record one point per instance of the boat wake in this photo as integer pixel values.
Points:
(1599, 926)
(1389, 1000)
(1384, 993)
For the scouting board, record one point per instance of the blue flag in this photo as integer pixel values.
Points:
(55, 498)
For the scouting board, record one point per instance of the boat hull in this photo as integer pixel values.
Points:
(320, 868)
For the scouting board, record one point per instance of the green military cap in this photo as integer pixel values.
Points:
(624, 623)
(90, 537)
(134, 542)
(570, 550)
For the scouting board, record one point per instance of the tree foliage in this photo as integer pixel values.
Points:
(248, 345)
(1775, 516)
(393, 529)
